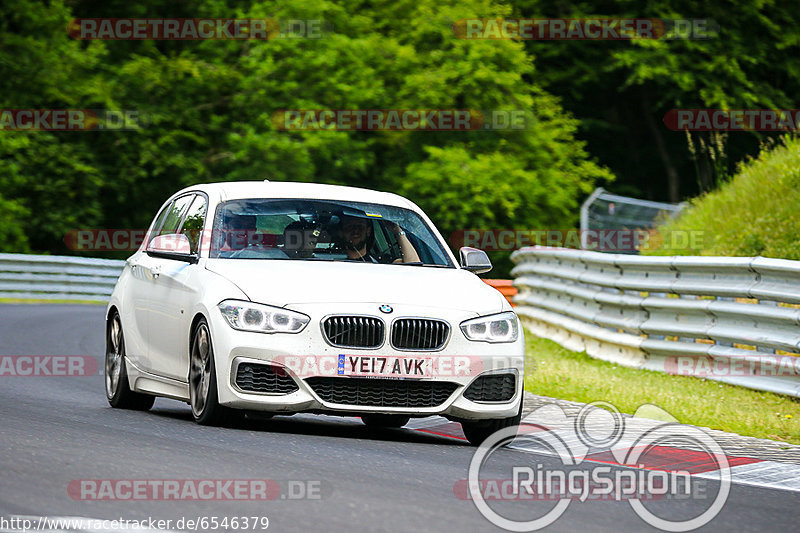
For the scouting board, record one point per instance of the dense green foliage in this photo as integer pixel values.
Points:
(597, 107)
(764, 195)
(621, 90)
(211, 104)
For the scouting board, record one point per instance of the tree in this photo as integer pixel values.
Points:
(622, 89)
(48, 180)
(209, 109)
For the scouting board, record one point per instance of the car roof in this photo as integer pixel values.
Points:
(234, 190)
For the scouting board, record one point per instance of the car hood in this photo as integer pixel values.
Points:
(283, 283)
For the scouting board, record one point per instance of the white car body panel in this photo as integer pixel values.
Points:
(326, 282)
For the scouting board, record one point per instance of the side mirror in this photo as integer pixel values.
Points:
(172, 246)
(474, 260)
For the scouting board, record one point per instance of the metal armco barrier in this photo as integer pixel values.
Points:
(53, 277)
(731, 319)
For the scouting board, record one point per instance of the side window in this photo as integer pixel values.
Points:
(175, 215)
(194, 221)
(159, 221)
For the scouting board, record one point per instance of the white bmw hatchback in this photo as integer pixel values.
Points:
(297, 297)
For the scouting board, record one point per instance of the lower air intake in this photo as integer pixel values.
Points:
(263, 378)
(492, 388)
(382, 392)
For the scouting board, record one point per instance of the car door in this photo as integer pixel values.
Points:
(135, 303)
(174, 290)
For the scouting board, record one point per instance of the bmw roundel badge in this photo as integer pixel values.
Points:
(386, 309)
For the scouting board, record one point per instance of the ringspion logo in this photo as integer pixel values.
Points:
(639, 475)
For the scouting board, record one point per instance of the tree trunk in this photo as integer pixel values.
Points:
(673, 181)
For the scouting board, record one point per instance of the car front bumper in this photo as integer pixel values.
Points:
(308, 355)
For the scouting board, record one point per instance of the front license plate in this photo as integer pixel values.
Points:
(390, 366)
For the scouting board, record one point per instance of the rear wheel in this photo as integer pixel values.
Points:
(118, 391)
(203, 398)
(479, 430)
(385, 421)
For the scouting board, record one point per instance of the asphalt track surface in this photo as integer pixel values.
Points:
(54, 430)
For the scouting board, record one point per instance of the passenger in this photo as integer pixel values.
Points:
(238, 230)
(300, 240)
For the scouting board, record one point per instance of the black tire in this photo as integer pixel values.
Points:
(385, 421)
(118, 390)
(479, 430)
(203, 397)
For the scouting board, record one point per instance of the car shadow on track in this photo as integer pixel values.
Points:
(311, 424)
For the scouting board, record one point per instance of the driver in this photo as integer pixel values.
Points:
(355, 236)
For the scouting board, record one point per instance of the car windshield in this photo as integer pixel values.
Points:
(324, 230)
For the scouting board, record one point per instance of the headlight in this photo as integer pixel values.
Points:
(248, 316)
(502, 327)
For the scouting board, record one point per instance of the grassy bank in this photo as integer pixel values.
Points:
(755, 213)
(555, 371)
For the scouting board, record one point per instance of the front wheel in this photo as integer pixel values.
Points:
(478, 431)
(203, 398)
(118, 390)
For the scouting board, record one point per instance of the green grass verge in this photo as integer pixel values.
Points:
(560, 373)
(22, 301)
